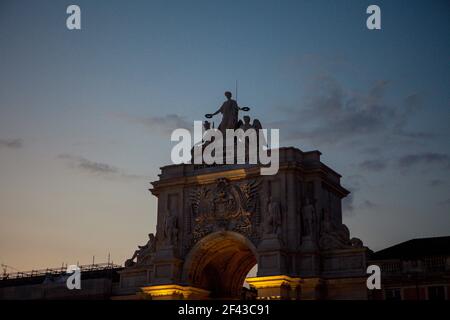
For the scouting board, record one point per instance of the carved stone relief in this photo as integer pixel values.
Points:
(224, 206)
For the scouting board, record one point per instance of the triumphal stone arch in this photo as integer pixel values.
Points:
(216, 222)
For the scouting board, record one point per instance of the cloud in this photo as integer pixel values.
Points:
(410, 160)
(95, 168)
(368, 204)
(11, 143)
(353, 202)
(374, 165)
(436, 183)
(445, 202)
(348, 203)
(411, 104)
(371, 150)
(353, 184)
(89, 166)
(348, 206)
(162, 124)
(330, 114)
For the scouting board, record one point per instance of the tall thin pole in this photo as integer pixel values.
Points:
(236, 90)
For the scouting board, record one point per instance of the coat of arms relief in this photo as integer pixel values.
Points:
(225, 206)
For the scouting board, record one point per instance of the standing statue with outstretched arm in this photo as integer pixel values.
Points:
(230, 113)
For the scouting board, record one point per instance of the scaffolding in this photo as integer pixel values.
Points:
(56, 271)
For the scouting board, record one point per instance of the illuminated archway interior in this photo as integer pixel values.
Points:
(220, 265)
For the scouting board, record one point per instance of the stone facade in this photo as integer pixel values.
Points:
(215, 223)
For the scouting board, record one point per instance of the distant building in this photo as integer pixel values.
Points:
(417, 269)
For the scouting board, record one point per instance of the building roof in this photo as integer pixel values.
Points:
(415, 248)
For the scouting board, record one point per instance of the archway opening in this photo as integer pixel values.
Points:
(220, 263)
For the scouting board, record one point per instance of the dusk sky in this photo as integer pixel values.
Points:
(86, 115)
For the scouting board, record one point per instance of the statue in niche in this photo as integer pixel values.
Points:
(143, 251)
(308, 215)
(273, 220)
(170, 230)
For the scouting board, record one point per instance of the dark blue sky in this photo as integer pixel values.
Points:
(85, 116)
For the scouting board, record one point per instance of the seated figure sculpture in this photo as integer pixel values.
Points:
(142, 251)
